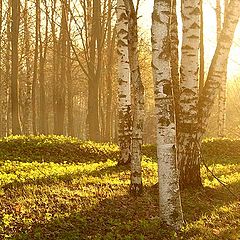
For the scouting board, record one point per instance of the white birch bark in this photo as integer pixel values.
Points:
(216, 69)
(124, 89)
(169, 194)
(137, 102)
(188, 122)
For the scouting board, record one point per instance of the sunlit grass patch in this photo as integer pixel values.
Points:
(63, 198)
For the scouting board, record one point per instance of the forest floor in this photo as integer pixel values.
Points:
(61, 188)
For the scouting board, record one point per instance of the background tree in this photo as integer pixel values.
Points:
(16, 128)
(124, 89)
(137, 96)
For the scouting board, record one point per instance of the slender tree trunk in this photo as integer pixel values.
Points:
(35, 67)
(69, 90)
(27, 112)
(7, 104)
(43, 54)
(16, 129)
(61, 88)
(109, 83)
(94, 80)
(188, 147)
(136, 187)
(169, 193)
(55, 67)
(111, 37)
(2, 88)
(124, 89)
(216, 69)
(222, 92)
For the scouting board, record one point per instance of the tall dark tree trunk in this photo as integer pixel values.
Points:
(111, 37)
(70, 127)
(27, 102)
(35, 67)
(42, 103)
(55, 66)
(16, 128)
(61, 82)
(94, 75)
(8, 71)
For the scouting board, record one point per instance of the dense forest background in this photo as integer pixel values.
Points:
(58, 70)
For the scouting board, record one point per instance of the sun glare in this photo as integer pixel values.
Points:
(145, 11)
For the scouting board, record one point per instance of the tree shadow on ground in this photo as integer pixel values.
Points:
(128, 217)
(66, 177)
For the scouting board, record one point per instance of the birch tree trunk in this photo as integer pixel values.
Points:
(169, 193)
(188, 148)
(216, 70)
(136, 187)
(124, 89)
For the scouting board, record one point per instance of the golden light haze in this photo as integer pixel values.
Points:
(145, 11)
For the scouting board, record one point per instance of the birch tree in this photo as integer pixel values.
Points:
(169, 193)
(189, 162)
(124, 89)
(188, 153)
(216, 69)
(137, 102)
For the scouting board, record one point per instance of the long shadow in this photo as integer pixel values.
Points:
(117, 217)
(67, 177)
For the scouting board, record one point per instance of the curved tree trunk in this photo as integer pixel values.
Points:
(188, 148)
(216, 69)
(124, 89)
(169, 193)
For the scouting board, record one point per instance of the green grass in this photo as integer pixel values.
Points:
(62, 188)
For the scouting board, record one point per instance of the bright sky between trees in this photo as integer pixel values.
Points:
(145, 21)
